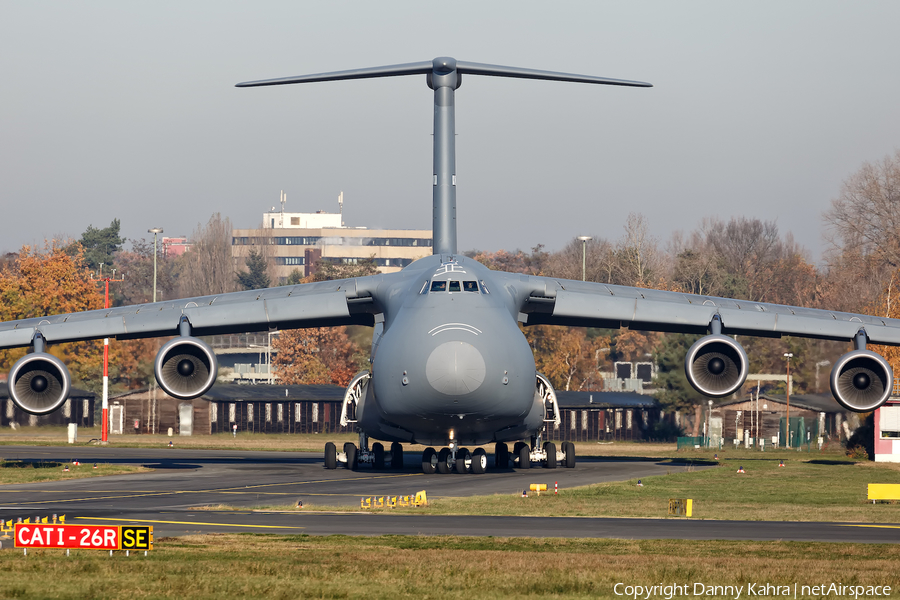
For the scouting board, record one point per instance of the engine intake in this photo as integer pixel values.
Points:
(39, 383)
(861, 380)
(186, 368)
(716, 365)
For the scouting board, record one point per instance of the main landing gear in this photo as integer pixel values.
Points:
(352, 456)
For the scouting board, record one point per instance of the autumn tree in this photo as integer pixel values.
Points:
(329, 270)
(567, 356)
(319, 355)
(55, 280)
(513, 262)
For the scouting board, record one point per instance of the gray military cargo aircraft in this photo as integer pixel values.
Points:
(449, 364)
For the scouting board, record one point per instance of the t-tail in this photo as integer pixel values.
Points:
(444, 76)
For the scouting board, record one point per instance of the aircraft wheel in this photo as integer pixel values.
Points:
(429, 461)
(550, 449)
(350, 449)
(501, 456)
(396, 456)
(444, 464)
(378, 451)
(462, 455)
(479, 461)
(524, 457)
(330, 456)
(570, 455)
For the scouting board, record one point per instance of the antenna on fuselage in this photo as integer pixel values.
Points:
(444, 76)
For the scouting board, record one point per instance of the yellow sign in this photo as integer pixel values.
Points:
(884, 491)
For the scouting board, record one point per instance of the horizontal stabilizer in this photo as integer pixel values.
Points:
(419, 68)
(442, 66)
(498, 71)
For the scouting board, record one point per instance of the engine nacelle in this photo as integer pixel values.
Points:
(186, 368)
(861, 380)
(716, 365)
(39, 383)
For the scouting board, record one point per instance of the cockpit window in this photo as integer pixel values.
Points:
(470, 286)
(438, 286)
(484, 288)
(454, 286)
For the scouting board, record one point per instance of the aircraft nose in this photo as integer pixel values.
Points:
(455, 368)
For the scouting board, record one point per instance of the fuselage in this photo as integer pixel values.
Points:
(450, 361)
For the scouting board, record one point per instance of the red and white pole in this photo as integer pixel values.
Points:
(104, 427)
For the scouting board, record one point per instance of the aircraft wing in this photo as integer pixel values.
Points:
(546, 300)
(321, 304)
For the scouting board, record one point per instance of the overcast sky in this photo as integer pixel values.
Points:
(129, 110)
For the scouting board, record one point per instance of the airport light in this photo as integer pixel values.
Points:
(584, 240)
(155, 231)
(787, 434)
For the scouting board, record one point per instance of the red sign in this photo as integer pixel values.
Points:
(92, 537)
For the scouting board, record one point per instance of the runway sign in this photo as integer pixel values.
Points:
(89, 537)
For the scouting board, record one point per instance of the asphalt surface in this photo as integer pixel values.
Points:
(186, 479)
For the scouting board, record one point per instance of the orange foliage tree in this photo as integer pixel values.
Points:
(567, 356)
(320, 355)
(54, 280)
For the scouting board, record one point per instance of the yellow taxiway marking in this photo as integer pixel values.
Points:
(876, 526)
(189, 523)
(230, 490)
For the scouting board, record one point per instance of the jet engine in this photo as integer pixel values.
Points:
(186, 368)
(716, 365)
(39, 383)
(861, 380)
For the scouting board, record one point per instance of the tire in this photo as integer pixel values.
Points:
(330, 456)
(501, 456)
(396, 456)
(517, 447)
(462, 455)
(429, 461)
(524, 457)
(351, 457)
(550, 449)
(570, 455)
(479, 461)
(378, 451)
(347, 447)
(444, 465)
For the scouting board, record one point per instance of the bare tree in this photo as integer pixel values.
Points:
(207, 267)
(866, 215)
(637, 253)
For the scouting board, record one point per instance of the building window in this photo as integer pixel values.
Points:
(290, 260)
(232, 410)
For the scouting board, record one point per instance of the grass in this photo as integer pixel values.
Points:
(16, 471)
(281, 567)
(802, 490)
(270, 442)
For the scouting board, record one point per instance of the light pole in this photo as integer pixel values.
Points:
(155, 231)
(584, 240)
(787, 431)
(821, 363)
(151, 412)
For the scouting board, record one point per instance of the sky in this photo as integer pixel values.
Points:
(128, 110)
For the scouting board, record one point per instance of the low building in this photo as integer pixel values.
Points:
(78, 409)
(295, 241)
(812, 416)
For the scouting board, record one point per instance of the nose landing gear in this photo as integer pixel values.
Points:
(351, 457)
